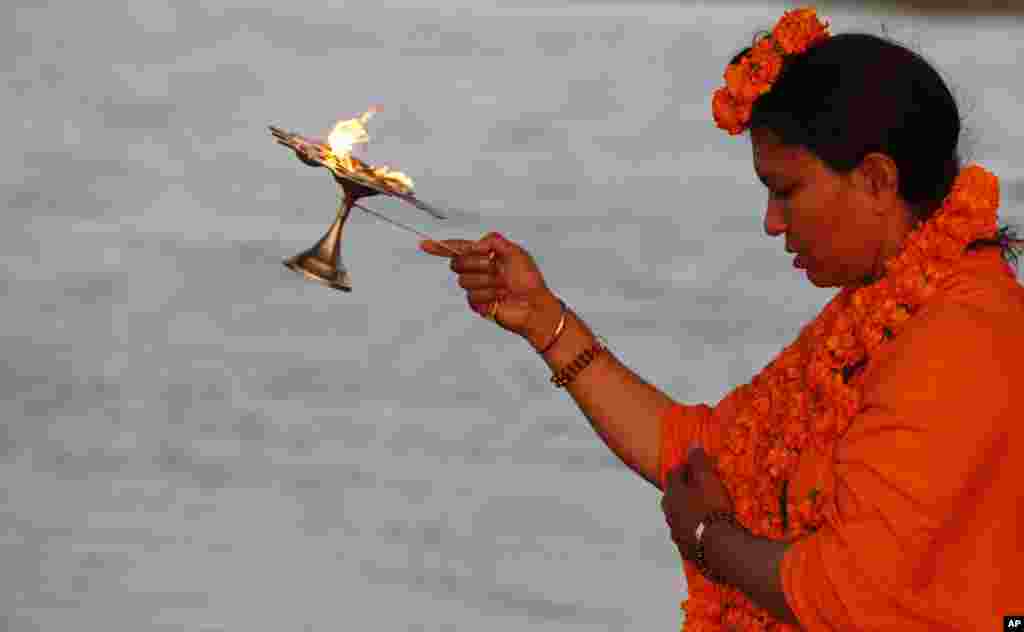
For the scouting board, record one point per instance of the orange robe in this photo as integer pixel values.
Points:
(929, 478)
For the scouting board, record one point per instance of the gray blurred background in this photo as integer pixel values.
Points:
(195, 438)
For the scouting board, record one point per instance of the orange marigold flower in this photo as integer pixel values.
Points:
(948, 247)
(743, 85)
(729, 115)
(976, 181)
(762, 405)
(764, 62)
(900, 313)
(798, 30)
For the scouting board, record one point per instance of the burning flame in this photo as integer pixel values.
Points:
(346, 135)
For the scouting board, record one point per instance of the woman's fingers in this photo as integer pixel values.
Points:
(484, 296)
(437, 247)
(476, 266)
(468, 264)
(480, 307)
(460, 263)
(478, 281)
(492, 242)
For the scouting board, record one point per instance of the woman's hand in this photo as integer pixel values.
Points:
(691, 492)
(511, 276)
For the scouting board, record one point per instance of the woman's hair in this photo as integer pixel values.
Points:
(854, 94)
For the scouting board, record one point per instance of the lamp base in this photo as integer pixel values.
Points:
(315, 269)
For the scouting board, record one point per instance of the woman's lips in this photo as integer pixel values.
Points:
(800, 262)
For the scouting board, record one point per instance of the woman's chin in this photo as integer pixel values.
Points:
(816, 280)
(806, 270)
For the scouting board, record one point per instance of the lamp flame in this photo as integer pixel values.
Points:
(349, 133)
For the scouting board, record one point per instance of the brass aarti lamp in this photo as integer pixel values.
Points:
(356, 180)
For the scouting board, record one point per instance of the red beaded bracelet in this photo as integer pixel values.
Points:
(581, 362)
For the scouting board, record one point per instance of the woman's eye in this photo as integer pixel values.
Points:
(780, 195)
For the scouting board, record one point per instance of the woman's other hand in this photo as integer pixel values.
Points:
(692, 490)
(510, 274)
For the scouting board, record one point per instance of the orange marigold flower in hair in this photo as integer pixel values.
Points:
(740, 83)
(729, 115)
(755, 73)
(798, 30)
(764, 62)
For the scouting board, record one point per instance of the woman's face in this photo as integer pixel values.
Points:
(842, 226)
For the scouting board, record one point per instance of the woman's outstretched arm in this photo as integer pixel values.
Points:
(623, 409)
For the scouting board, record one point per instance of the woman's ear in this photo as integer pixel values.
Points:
(878, 175)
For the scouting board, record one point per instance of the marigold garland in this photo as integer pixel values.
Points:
(754, 74)
(809, 394)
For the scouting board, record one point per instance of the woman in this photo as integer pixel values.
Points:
(864, 480)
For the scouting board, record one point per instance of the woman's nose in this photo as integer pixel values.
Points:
(774, 219)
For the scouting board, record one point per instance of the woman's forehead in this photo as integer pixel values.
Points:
(773, 160)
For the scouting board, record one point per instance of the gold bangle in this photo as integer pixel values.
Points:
(558, 329)
(699, 557)
(492, 314)
(582, 361)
